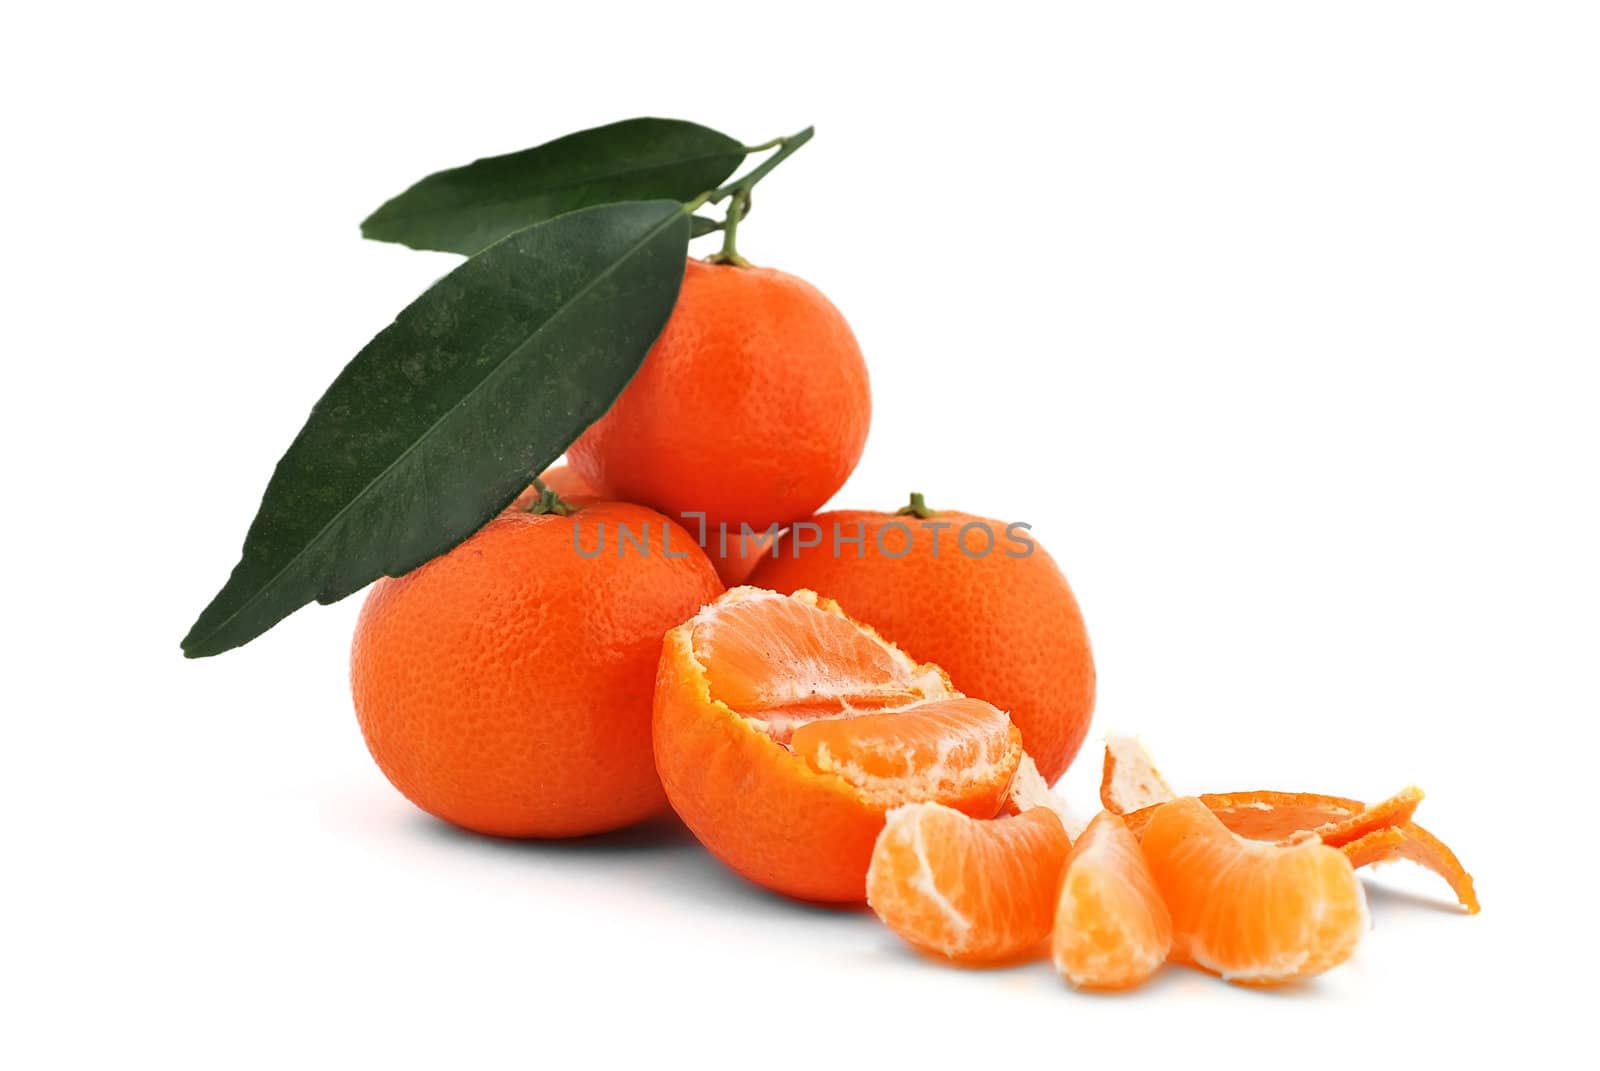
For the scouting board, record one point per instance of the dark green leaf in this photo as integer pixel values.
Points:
(466, 208)
(440, 420)
(703, 225)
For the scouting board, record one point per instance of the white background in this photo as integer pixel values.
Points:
(1278, 321)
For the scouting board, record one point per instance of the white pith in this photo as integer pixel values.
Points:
(922, 881)
(958, 762)
(1135, 781)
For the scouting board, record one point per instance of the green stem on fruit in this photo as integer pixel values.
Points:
(917, 507)
(739, 192)
(729, 253)
(547, 501)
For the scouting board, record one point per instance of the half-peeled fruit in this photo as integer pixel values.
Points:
(784, 732)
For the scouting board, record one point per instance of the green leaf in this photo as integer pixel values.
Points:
(466, 208)
(442, 419)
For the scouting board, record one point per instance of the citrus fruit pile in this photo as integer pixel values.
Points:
(540, 681)
(842, 706)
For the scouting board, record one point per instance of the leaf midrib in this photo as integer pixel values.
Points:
(497, 202)
(425, 436)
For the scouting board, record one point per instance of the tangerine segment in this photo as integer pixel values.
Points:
(1411, 841)
(1255, 913)
(1112, 929)
(784, 731)
(783, 662)
(971, 891)
(948, 744)
(1129, 779)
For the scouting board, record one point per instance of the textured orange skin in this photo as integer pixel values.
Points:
(760, 808)
(735, 567)
(506, 685)
(1007, 630)
(732, 568)
(751, 407)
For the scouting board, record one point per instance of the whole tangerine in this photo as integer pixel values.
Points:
(752, 407)
(506, 685)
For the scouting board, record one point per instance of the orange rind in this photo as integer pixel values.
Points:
(1411, 841)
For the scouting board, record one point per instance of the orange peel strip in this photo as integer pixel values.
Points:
(1385, 814)
(1129, 779)
(1411, 841)
(1266, 815)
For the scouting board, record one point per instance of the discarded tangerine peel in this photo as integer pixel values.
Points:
(1411, 841)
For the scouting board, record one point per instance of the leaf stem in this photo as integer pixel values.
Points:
(786, 148)
(739, 190)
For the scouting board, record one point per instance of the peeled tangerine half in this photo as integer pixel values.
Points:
(784, 732)
(1112, 929)
(1253, 912)
(969, 890)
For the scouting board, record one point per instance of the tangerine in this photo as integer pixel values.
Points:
(752, 406)
(506, 685)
